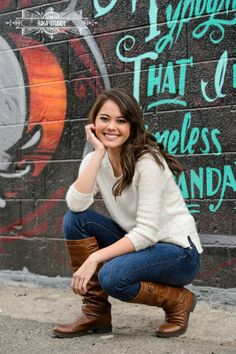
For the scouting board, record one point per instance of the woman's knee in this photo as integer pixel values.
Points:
(111, 281)
(72, 223)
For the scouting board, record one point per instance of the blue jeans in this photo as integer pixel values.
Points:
(120, 277)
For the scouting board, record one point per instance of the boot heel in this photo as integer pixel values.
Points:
(102, 329)
(193, 303)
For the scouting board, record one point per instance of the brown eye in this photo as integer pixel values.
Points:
(121, 121)
(104, 119)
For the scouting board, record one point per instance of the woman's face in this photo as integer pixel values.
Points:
(112, 129)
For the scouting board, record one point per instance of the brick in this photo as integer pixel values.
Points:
(214, 269)
(206, 71)
(59, 175)
(220, 222)
(78, 139)
(49, 216)
(63, 150)
(39, 256)
(10, 218)
(29, 3)
(121, 17)
(81, 97)
(7, 5)
(94, 62)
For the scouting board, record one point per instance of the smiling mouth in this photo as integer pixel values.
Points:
(110, 136)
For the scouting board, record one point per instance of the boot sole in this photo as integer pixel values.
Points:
(93, 330)
(176, 334)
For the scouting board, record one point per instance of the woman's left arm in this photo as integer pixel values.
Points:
(82, 276)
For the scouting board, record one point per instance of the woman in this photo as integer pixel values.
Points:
(150, 248)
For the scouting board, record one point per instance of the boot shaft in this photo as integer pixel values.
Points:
(95, 300)
(80, 250)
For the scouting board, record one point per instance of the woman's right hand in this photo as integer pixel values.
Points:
(92, 139)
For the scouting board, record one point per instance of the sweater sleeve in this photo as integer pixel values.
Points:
(150, 188)
(77, 201)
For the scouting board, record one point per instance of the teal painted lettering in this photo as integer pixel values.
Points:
(196, 180)
(173, 16)
(162, 138)
(200, 7)
(219, 79)
(173, 142)
(171, 19)
(227, 3)
(169, 79)
(193, 138)
(205, 139)
(182, 14)
(233, 4)
(102, 10)
(234, 76)
(167, 101)
(217, 33)
(216, 141)
(188, 6)
(154, 81)
(164, 41)
(210, 189)
(136, 60)
(153, 14)
(184, 130)
(220, 74)
(228, 181)
(183, 185)
(192, 210)
(162, 79)
(220, 5)
(134, 2)
(182, 76)
(211, 6)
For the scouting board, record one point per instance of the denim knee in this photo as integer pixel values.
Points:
(72, 224)
(111, 282)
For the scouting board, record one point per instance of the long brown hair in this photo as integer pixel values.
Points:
(140, 140)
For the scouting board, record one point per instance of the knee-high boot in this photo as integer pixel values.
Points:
(96, 312)
(176, 302)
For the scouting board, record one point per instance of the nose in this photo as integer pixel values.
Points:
(111, 125)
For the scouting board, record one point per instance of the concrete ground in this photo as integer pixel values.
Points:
(28, 312)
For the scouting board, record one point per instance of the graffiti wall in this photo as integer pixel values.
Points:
(178, 59)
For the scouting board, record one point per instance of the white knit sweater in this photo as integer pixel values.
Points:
(150, 210)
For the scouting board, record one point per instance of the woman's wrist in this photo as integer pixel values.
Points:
(100, 151)
(95, 257)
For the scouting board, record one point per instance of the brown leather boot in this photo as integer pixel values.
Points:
(176, 302)
(96, 312)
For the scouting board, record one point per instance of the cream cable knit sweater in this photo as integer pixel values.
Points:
(150, 210)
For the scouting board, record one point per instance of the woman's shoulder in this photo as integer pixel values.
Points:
(148, 159)
(155, 168)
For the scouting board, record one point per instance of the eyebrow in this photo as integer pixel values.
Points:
(107, 115)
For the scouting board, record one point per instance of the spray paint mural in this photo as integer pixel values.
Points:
(176, 57)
